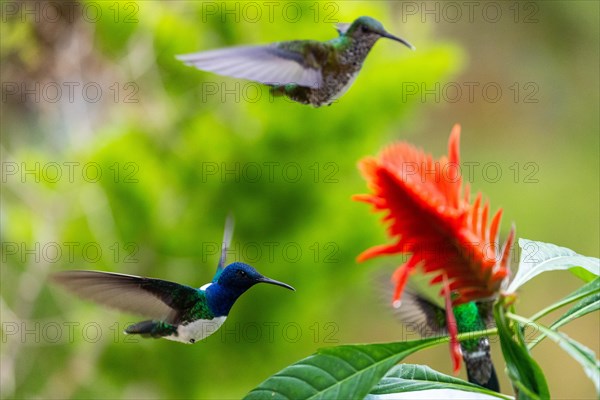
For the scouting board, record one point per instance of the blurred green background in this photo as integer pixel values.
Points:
(139, 180)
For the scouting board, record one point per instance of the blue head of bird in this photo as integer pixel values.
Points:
(235, 280)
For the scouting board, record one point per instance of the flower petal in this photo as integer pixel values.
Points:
(455, 351)
(427, 214)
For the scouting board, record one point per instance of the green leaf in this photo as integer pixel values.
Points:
(341, 372)
(583, 274)
(538, 257)
(582, 354)
(411, 378)
(344, 371)
(585, 306)
(524, 372)
(582, 292)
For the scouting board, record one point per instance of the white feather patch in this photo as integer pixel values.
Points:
(195, 331)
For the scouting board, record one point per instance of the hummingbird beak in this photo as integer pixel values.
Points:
(397, 39)
(264, 279)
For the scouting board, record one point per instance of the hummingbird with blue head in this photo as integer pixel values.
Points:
(306, 71)
(177, 312)
(418, 311)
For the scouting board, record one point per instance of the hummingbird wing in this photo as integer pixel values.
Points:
(227, 235)
(276, 64)
(417, 310)
(153, 298)
(422, 314)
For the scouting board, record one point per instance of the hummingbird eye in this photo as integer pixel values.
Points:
(241, 274)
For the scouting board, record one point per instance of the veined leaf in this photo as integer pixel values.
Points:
(538, 257)
(583, 355)
(341, 372)
(411, 378)
(348, 371)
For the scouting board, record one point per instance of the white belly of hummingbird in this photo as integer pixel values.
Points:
(195, 331)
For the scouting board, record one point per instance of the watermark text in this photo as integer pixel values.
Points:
(68, 172)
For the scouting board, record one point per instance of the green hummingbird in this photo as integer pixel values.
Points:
(306, 71)
(419, 312)
(178, 312)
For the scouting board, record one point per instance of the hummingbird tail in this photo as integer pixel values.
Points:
(154, 329)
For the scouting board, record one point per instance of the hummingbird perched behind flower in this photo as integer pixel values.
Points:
(306, 71)
(419, 312)
(451, 241)
(178, 312)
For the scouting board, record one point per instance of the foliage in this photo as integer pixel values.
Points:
(376, 359)
(158, 206)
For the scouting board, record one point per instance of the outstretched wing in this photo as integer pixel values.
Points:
(227, 235)
(417, 312)
(276, 64)
(153, 298)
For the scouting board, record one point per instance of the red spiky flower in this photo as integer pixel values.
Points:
(446, 235)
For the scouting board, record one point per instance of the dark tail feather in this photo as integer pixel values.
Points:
(491, 384)
(155, 329)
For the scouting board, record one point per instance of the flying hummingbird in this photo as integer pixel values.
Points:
(419, 312)
(178, 312)
(306, 71)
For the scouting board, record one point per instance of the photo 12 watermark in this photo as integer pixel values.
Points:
(69, 252)
(275, 251)
(270, 11)
(70, 11)
(64, 332)
(276, 331)
(269, 172)
(471, 92)
(492, 12)
(68, 172)
(469, 171)
(70, 92)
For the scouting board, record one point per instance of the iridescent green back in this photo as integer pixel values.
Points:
(468, 319)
